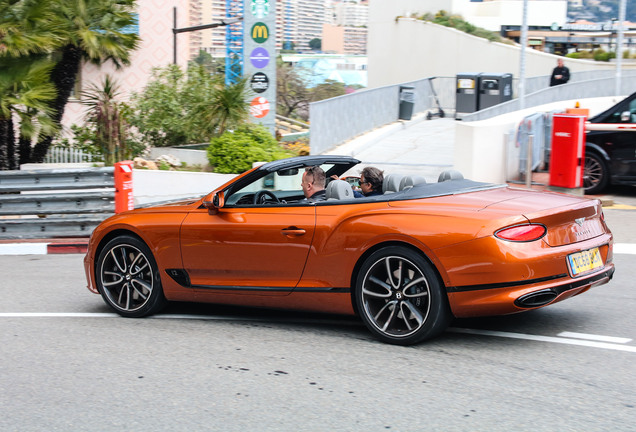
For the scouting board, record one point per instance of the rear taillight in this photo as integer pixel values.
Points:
(522, 233)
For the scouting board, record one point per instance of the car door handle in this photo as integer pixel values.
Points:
(293, 232)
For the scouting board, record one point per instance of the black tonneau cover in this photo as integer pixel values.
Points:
(427, 190)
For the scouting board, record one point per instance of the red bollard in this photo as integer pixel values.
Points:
(124, 186)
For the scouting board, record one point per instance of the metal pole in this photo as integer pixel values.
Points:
(619, 46)
(522, 65)
(529, 162)
(174, 35)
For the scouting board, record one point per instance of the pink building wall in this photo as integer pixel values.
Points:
(155, 50)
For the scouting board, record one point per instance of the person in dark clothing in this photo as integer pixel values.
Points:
(371, 180)
(313, 184)
(560, 74)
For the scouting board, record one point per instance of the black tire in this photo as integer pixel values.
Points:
(128, 279)
(400, 298)
(595, 173)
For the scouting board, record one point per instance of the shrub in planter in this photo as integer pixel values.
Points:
(236, 151)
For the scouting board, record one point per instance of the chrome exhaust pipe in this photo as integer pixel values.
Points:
(536, 299)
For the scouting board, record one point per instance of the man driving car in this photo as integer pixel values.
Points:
(313, 184)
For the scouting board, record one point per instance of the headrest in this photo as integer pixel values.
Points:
(391, 183)
(410, 181)
(450, 175)
(338, 189)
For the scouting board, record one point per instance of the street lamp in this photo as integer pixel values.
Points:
(612, 33)
(176, 30)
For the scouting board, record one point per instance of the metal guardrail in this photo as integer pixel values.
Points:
(55, 203)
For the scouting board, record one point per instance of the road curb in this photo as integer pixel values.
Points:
(42, 247)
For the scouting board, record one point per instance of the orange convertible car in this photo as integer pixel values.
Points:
(405, 261)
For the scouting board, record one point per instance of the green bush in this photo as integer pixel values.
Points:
(602, 55)
(456, 21)
(235, 152)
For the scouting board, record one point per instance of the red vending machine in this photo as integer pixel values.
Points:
(567, 156)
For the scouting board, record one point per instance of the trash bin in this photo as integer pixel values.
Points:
(494, 89)
(466, 95)
(407, 100)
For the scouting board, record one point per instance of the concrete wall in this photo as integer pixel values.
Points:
(407, 49)
(492, 14)
(336, 120)
(156, 186)
(190, 157)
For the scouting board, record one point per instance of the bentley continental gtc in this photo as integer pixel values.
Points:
(406, 261)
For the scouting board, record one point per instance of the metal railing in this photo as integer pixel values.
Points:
(601, 86)
(337, 120)
(55, 203)
(67, 155)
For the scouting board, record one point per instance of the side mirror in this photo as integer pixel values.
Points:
(626, 117)
(214, 202)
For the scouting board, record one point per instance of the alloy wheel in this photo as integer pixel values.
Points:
(126, 277)
(396, 296)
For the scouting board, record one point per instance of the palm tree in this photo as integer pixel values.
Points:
(27, 36)
(227, 108)
(28, 27)
(93, 30)
(25, 92)
(104, 113)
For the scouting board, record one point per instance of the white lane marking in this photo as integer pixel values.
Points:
(625, 248)
(23, 248)
(610, 339)
(173, 316)
(549, 339)
(57, 315)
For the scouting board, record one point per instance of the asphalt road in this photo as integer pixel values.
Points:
(68, 364)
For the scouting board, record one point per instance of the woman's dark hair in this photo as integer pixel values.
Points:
(374, 176)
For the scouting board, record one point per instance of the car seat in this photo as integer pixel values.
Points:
(391, 183)
(409, 181)
(338, 190)
(450, 175)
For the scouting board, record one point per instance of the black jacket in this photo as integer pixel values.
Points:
(565, 76)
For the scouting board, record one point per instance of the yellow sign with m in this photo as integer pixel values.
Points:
(260, 32)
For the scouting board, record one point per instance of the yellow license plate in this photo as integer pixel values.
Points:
(585, 261)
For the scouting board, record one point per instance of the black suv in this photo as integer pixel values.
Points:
(610, 155)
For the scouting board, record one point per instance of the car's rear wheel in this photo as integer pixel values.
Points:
(595, 173)
(399, 297)
(128, 278)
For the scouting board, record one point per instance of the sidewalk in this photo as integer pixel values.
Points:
(414, 147)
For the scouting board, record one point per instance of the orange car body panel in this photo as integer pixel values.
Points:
(306, 257)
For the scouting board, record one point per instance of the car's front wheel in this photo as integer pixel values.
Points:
(128, 278)
(595, 173)
(399, 297)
